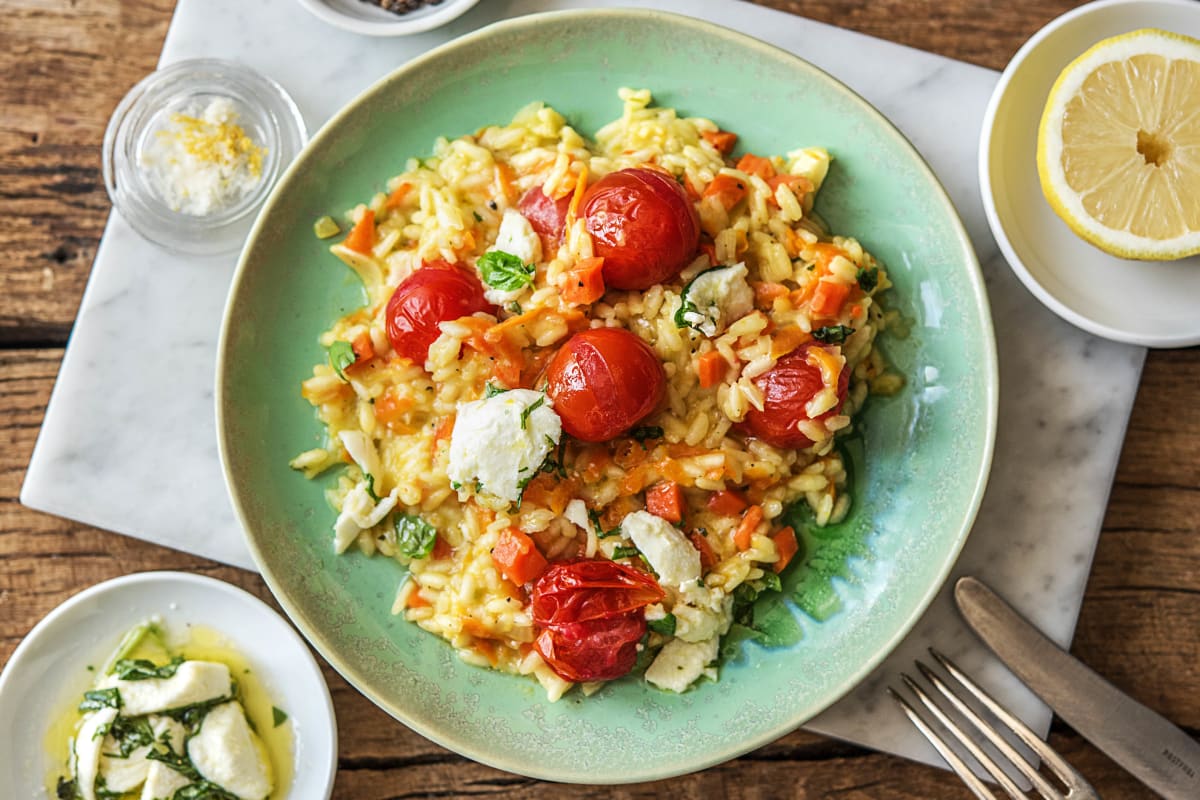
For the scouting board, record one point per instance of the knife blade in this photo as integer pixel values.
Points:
(1146, 744)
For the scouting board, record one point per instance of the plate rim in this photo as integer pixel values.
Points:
(997, 224)
(452, 10)
(989, 390)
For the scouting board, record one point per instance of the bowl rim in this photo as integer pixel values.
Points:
(400, 26)
(60, 614)
(989, 378)
(996, 221)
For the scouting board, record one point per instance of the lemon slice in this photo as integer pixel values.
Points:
(1119, 145)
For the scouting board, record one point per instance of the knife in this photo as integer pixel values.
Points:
(1149, 746)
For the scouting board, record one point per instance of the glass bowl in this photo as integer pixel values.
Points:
(264, 111)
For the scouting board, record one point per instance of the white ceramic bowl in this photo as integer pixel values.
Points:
(1148, 303)
(49, 668)
(363, 17)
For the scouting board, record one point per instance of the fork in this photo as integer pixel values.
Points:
(1073, 785)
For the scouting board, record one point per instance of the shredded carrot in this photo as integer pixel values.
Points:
(576, 196)
(504, 182)
(585, 282)
(727, 189)
(756, 165)
(745, 529)
(444, 428)
(825, 253)
(665, 500)
(722, 141)
(765, 293)
(828, 297)
(362, 236)
(364, 350)
(416, 600)
(711, 368)
(727, 503)
(517, 557)
(708, 556)
(787, 547)
(396, 198)
(787, 339)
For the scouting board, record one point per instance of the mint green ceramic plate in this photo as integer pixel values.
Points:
(925, 453)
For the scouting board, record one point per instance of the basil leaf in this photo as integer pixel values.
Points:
(621, 551)
(369, 479)
(140, 669)
(65, 790)
(644, 432)
(832, 334)
(414, 536)
(665, 626)
(491, 390)
(278, 716)
(341, 355)
(504, 271)
(529, 409)
(868, 279)
(685, 307)
(96, 699)
(594, 516)
(130, 734)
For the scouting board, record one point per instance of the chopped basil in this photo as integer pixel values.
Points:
(278, 716)
(832, 334)
(685, 307)
(96, 699)
(504, 271)
(529, 409)
(553, 463)
(868, 279)
(202, 790)
(341, 355)
(594, 516)
(771, 582)
(491, 390)
(66, 790)
(623, 551)
(514, 307)
(369, 479)
(455, 485)
(140, 669)
(129, 734)
(644, 432)
(477, 217)
(414, 536)
(665, 626)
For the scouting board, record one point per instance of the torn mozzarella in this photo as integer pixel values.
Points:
(716, 298)
(680, 663)
(360, 513)
(362, 449)
(515, 237)
(669, 553)
(193, 682)
(87, 750)
(224, 751)
(499, 443)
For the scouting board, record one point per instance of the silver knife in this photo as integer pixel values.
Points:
(1149, 746)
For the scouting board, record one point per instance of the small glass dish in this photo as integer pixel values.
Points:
(263, 110)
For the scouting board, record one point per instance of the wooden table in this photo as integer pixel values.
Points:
(66, 63)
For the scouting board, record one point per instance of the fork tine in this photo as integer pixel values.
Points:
(987, 762)
(1043, 787)
(957, 764)
(1077, 785)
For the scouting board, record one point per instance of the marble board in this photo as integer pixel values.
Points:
(135, 452)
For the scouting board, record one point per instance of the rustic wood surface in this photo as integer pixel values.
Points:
(66, 63)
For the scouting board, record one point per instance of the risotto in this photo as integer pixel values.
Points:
(588, 380)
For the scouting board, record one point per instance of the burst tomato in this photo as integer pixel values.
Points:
(787, 388)
(602, 381)
(547, 217)
(436, 293)
(589, 617)
(643, 225)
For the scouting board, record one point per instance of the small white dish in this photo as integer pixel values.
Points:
(49, 669)
(367, 18)
(1155, 304)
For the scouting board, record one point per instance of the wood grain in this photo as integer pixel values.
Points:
(66, 65)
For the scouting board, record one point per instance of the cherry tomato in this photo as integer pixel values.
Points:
(644, 226)
(787, 388)
(602, 381)
(589, 617)
(436, 293)
(547, 217)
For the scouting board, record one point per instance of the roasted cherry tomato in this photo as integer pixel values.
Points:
(602, 381)
(787, 388)
(589, 617)
(547, 217)
(436, 293)
(643, 225)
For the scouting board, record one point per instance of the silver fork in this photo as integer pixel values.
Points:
(1074, 787)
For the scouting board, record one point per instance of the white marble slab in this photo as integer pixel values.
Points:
(133, 449)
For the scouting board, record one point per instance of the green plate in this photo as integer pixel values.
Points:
(925, 453)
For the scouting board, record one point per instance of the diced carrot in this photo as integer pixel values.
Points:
(727, 503)
(690, 188)
(765, 293)
(745, 529)
(444, 428)
(665, 500)
(828, 298)
(362, 236)
(364, 350)
(636, 479)
(722, 141)
(585, 282)
(799, 184)
(787, 339)
(390, 408)
(826, 252)
(517, 557)
(415, 600)
(711, 368)
(727, 189)
(708, 556)
(441, 548)
(396, 198)
(504, 182)
(786, 545)
(549, 492)
(756, 165)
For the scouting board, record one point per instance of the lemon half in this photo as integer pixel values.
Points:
(1119, 145)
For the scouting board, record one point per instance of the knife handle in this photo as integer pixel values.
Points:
(1148, 745)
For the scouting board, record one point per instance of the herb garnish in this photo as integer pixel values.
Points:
(665, 626)
(832, 334)
(644, 432)
(414, 536)
(868, 279)
(129, 733)
(140, 669)
(624, 551)
(491, 390)
(278, 715)
(369, 479)
(341, 355)
(96, 699)
(594, 516)
(529, 409)
(504, 271)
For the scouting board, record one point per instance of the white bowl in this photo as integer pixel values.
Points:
(1156, 304)
(49, 668)
(363, 17)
